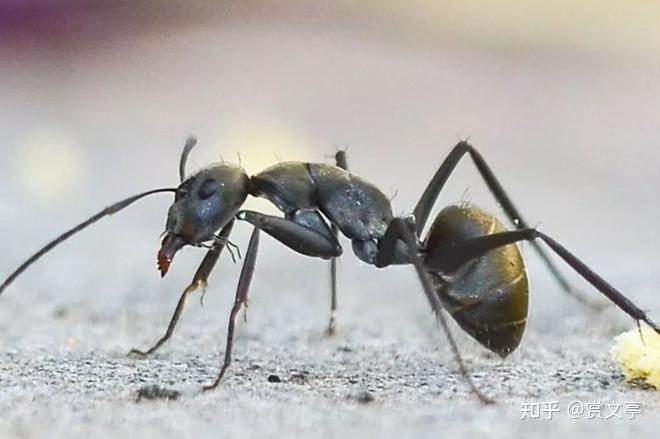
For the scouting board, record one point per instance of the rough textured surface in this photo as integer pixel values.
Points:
(86, 121)
(386, 374)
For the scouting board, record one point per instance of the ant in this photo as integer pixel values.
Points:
(468, 263)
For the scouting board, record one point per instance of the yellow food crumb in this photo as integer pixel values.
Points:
(639, 355)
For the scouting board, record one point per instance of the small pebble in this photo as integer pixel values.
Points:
(364, 397)
(274, 379)
(156, 392)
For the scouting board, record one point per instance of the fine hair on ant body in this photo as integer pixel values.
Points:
(468, 263)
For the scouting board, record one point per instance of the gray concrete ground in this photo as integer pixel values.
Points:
(64, 369)
(86, 122)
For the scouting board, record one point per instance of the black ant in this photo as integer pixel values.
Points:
(468, 263)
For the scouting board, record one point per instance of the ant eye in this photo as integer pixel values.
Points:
(207, 189)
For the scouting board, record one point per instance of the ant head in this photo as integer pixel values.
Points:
(204, 203)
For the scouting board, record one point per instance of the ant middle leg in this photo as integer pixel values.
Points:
(438, 182)
(199, 280)
(341, 162)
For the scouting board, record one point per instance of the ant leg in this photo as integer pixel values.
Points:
(340, 159)
(199, 280)
(430, 195)
(304, 232)
(404, 229)
(449, 259)
(241, 299)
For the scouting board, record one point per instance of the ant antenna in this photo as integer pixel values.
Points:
(190, 144)
(66, 235)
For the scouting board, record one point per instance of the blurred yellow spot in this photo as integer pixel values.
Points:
(71, 343)
(639, 356)
(261, 141)
(50, 163)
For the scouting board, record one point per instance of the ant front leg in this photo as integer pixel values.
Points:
(304, 231)
(199, 280)
(341, 162)
(241, 300)
(438, 182)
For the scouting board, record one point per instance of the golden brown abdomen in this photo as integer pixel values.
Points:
(488, 297)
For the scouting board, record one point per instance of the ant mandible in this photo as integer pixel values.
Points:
(468, 263)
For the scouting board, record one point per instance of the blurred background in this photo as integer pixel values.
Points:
(97, 98)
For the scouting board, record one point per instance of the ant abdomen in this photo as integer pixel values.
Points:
(488, 296)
